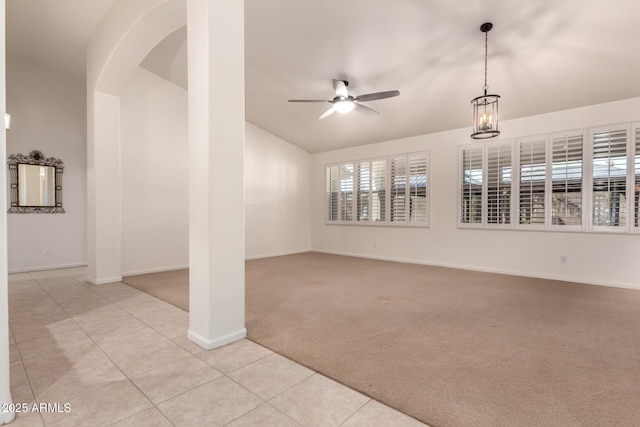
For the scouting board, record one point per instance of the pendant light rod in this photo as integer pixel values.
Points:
(485, 107)
(485, 28)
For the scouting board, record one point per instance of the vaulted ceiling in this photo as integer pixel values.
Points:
(544, 56)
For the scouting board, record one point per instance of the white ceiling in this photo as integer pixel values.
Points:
(544, 55)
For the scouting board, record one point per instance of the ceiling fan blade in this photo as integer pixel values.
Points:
(340, 86)
(364, 109)
(327, 113)
(308, 100)
(377, 95)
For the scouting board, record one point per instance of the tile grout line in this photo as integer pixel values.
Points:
(260, 406)
(153, 404)
(356, 411)
(138, 318)
(33, 393)
(129, 379)
(28, 379)
(101, 350)
(235, 370)
(109, 302)
(286, 415)
(227, 374)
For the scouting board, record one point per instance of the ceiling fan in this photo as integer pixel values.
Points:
(343, 102)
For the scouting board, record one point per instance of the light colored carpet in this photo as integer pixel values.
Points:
(452, 347)
(169, 286)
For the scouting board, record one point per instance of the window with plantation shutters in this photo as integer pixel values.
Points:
(532, 181)
(586, 180)
(398, 202)
(378, 192)
(387, 191)
(346, 191)
(609, 172)
(636, 178)
(364, 191)
(418, 188)
(471, 185)
(499, 183)
(332, 193)
(566, 179)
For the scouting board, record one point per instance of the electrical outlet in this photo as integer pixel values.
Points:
(563, 259)
(46, 252)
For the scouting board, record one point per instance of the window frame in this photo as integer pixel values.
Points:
(628, 206)
(485, 189)
(584, 182)
(484, 192)
(634, 174)
(387, 192)
(587, 182)
(544, 139)
(459, 215)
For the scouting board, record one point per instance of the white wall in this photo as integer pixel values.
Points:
(592, 258)
(48, 113)
(155, 182)
(154, 174)
(277, 195)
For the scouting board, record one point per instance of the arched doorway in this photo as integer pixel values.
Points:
(216, 152)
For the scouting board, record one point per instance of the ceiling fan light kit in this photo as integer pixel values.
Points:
(344, 103)
(485, 107)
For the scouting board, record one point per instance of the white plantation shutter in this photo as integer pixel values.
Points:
(346, 191)
(418, 205)
(471, 185)
(566, 179)
(332, 193)
(383, 191)
(378, 190)
(499, 183)
(636, 180)
(609, 161)
(364, 191)
(398, 190)
(583, 180)
(532, 181)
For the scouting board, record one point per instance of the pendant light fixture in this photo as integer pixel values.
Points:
(485, 107)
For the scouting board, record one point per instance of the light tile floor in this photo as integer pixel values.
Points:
(118, 356)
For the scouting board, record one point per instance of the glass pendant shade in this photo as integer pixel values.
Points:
(485, 116)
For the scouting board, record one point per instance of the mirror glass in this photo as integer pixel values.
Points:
(36, 185)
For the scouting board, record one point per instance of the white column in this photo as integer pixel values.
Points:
(216, 176)
(5, 390)
(103, 188)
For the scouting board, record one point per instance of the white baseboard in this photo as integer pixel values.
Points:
(46, 267)
(210, 344)
(104, 281)
(487, 270)
(181, 267)
(271, 255)
(6, 416)
(155, 270)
